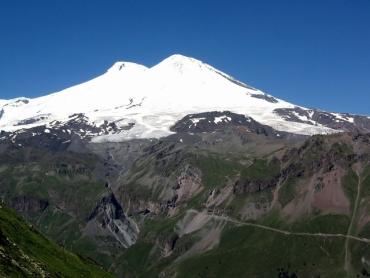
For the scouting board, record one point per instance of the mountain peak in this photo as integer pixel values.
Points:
(179, 60)
(124, 66)
(174, 61)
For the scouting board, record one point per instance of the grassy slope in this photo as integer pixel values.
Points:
(25, 252)
(251, 252)
(63, 179)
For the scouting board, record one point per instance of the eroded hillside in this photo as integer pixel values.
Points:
(236, 201)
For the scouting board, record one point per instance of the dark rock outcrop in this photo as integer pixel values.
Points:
(28, 205)
(110, 216)
(216, 121)
(337, 121)
(265, 97)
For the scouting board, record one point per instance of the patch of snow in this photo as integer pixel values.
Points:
(303, 117)
(222, 119)
(196, 120)
(344, 117)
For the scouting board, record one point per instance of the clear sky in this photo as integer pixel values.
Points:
(314, 53)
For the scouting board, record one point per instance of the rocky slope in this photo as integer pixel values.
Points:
(281, 211)
(235, 199)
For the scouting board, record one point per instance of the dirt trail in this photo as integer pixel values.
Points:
(285, 232)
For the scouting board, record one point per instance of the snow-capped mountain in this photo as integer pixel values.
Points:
(133, 101)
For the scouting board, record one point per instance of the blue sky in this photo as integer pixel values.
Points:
(314, 53)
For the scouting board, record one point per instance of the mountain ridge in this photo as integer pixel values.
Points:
(153, 99)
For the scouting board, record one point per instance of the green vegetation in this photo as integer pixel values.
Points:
(46, 184)
(137, 259)
(197, 201)
(328, 224)
(144, 259)
(261, 170)
(349, 183)
(247, 251)
(365, 186)
(261, 198)
(26, 253)
(342, 148)
(250, 252)
(160, 226)
(68, 190)
(360, 252)
(287, 191)
(216, 170)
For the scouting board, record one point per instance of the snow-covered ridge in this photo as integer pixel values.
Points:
(153, 99)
